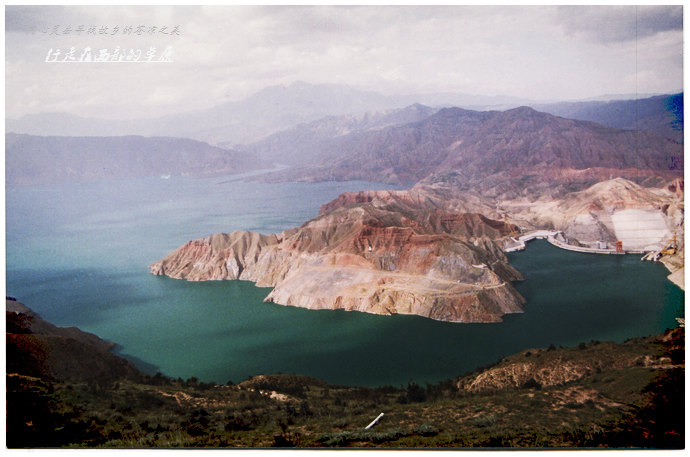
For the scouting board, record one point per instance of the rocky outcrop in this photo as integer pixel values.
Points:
(536, 368)
(383, 253)
(643, 218)
(433, 250)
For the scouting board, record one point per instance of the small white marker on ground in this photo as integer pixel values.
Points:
(373, 422)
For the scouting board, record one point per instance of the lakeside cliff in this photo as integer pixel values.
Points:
(432, 250)
(399, 253)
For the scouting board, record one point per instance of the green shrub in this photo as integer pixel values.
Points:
(426, 430)
(484, 421)
(414, 394)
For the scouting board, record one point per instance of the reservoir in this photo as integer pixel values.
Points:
(78, 255)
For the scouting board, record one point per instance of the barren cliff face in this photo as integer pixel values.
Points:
(432, 250)
(642, 218)
(383, 253)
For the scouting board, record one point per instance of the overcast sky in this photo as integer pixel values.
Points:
(224, 53)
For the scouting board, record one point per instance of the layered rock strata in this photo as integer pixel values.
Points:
(433, 250)
(644, 219)
(383, 253)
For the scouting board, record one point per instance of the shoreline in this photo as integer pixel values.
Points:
(677, 275)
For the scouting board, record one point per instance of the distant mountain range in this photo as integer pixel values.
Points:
(33, 159)
(344, 133)
(279, 108)
(400, 146)
(268, 111)
(486, 148)
(319, 140)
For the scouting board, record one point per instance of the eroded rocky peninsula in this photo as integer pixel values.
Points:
(378, 252)
(432, 250)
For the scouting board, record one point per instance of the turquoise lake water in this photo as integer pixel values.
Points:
(79, 255)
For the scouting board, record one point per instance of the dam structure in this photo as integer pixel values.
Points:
(557, 238)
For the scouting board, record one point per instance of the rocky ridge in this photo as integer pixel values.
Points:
(386, 253)
(594, 214)
(432, 250)
(556, 367)
(662, 114)
(322, 140)
(500, 153)
(586, 217)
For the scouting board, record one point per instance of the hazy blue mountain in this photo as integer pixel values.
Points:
(662, 114)
(277, 108)
(31, 159)
(269, 110)
(315, 141)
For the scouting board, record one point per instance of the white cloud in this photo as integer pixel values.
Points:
(620, 23)
(227, 53)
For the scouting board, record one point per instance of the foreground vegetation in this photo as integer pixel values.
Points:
(622, 405)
